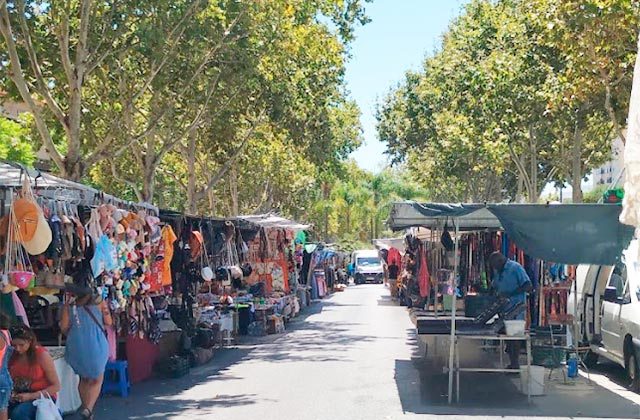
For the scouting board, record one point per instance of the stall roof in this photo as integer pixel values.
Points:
(53, 187)
(563, 233)
(271, 220)
(435, 215)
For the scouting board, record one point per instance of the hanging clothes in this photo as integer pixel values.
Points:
(423, 273)
(393, 257)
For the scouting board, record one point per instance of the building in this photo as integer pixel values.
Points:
(612, 170)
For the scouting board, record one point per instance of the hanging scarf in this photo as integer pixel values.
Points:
(423, 273)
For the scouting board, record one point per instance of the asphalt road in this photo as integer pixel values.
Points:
(351, 356)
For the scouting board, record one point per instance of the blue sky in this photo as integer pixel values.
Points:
(397, 39)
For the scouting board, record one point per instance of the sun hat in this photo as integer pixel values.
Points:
(27, 217)
(41, 238)
(207, 273)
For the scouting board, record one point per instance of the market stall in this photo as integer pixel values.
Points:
(176, 285)
(534, 229)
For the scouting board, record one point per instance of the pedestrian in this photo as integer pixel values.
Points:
(33, 373)
(6, 384)
(83, 320)
(510, 281)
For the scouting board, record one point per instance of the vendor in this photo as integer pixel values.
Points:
(33, 372)
(511, 281)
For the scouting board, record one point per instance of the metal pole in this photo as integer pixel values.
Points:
(453, 314)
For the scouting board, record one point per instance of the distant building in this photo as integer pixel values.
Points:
(611, 170)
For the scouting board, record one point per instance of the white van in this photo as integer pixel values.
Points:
(608, 312)
(367, 266)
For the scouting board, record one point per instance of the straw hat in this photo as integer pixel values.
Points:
(27, 217)
(40, 239)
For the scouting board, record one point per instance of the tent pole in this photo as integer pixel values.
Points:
(452, 343)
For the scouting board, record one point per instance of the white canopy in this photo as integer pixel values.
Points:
(270, 220)
(55, 188)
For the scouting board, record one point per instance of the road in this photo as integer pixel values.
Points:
(351, 356)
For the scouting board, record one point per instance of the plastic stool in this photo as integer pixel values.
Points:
(116, 378)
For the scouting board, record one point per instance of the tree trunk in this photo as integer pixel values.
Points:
(233, 186)
(533, 174)
(348, 219)
(326, 195)
(192, 204)
(576, 165)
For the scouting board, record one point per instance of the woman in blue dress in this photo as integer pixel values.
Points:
(87, 350)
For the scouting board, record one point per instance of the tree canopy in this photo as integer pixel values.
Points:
(520, 94)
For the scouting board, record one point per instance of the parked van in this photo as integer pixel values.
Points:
(608, 312)
(367, 266)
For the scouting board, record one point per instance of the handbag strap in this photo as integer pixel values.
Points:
(104, 330)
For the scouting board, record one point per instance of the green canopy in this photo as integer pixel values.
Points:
(562, 233)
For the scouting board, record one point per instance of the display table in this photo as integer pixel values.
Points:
(501, 339)
(68, 397)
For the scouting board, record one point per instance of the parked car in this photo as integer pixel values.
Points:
(608, 312)
(368, 266)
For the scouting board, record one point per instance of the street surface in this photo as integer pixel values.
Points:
(353, 356)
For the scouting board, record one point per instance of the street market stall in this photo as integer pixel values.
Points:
(535, 229)
(176, 285)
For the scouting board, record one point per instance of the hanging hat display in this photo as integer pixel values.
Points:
(41, 238)
(27, 217)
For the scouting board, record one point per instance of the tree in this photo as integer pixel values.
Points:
(15, 142)
(503, 107)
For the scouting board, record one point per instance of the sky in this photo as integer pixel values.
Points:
(397, 39)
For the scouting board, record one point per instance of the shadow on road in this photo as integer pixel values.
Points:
(306, 341)
(423, 389)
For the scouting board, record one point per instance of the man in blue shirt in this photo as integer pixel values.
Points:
(510, 280)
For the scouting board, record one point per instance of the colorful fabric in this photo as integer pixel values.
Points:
(393, 257)
(168, 239)
(423, 273)
(19, 308)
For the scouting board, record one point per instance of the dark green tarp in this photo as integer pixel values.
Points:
(567, 234)
(562, 233)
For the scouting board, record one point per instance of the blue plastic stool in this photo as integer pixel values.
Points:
(116, 378)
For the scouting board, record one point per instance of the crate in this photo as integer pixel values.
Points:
(547, 356)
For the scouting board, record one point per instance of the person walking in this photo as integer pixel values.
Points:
(87, 350)
(33, 373)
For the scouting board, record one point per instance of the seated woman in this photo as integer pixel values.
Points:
(33, 372)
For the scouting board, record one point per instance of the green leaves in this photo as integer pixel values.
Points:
(15, 142)
(521, 93)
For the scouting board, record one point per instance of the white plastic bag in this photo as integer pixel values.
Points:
(47, 409)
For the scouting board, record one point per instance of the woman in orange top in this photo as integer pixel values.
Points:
(32, 371)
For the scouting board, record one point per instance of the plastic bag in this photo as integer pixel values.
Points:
(46, 408)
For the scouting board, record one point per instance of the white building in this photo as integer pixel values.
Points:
(611, 170)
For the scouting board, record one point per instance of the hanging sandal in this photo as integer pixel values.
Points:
(85, 413)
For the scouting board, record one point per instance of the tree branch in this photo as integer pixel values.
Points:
(62, 34)
(123, 180)
(17, 76)
(43, 88)
(218, 176)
